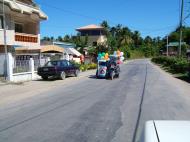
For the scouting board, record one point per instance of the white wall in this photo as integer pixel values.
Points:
(10, 37)
(20, 77)
(26, 76)
(77, 60)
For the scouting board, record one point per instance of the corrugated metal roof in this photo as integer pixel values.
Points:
(47, 48)
(25, 8)
(72, 51)
(173, 44)
(90, 27)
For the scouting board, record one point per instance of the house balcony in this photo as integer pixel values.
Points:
(97, 39)
(20, 39)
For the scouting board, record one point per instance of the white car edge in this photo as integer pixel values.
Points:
(167, 131)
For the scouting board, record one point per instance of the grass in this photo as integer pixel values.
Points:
(134, 54)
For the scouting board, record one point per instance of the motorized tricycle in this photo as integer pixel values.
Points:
(113, 69)
(101, 69)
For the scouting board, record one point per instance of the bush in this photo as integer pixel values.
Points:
(83, 67)
(92, 66)
(178, 65)
(88, 67)
(181, 66)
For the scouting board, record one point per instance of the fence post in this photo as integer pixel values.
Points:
(9, 67)
(31, 67)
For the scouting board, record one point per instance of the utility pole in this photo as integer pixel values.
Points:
(5, 37)
(167, 45)
(181, 26)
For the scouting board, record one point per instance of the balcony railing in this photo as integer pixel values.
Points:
(21, 37)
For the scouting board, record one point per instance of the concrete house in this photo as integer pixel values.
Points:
(95, 34)
(22, 19)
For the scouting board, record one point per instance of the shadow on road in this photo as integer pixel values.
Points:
(92, 76)
(51, 79)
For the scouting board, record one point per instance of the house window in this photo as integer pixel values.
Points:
(18, 28)
(1, 22)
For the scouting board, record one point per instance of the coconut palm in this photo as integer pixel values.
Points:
(136, 38)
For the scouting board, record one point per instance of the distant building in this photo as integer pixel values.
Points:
(95, 34)
(172, 48)
(23, 27)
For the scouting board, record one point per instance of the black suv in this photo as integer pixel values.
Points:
(59, 69)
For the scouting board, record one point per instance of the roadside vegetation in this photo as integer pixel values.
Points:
(85, 67)
(180, 67)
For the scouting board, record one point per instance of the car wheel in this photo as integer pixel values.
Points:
(62, 75)
(45, 77)
(77, 73)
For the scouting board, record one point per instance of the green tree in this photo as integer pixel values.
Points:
(59, 38)
(66, 38)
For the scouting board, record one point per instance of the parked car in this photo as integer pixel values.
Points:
(167, 131)
(58, 69)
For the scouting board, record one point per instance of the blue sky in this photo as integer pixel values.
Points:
(150, 17)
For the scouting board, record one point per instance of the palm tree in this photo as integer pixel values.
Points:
(148, 40)
(136, 38)
(125, 35)
(66, 38)
(113, 31)
(105, 24)
(60, 39)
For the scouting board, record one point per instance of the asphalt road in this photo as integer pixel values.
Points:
(95, 110)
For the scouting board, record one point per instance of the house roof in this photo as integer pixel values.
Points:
(72, 51)
(175, 44)
(90, 27)
(65, 44)
(49, 48)
(24, 8)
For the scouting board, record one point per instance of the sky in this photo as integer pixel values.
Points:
(150, 17)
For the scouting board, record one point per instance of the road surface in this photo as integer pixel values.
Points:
(86, 109)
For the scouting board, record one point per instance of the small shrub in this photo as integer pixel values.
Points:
(83, 67)
(92, 66)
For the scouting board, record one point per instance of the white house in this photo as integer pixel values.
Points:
(22, 18)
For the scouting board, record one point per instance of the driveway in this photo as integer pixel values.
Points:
(86, 109)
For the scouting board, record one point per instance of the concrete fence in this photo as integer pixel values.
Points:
(23, 76)
(2, 65)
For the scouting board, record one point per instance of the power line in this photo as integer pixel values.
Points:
(181, 25)
(99, 19)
